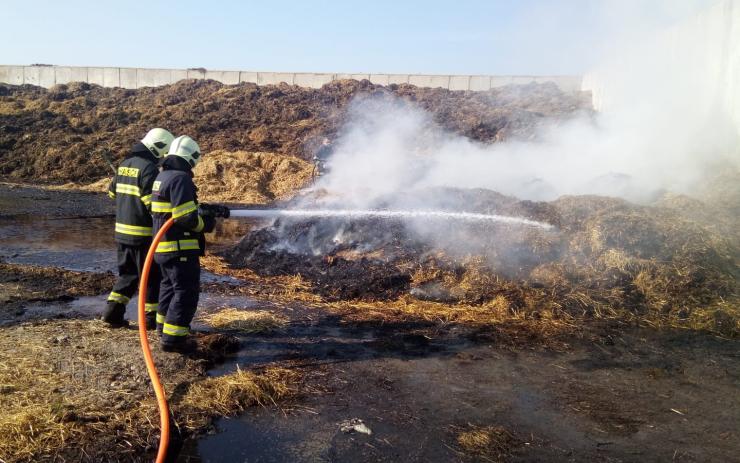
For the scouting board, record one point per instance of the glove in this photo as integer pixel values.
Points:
(213, 210)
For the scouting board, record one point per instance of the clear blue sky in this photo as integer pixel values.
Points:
(445, 37)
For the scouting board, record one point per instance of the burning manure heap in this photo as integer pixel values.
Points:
(51, 133)
(603, 258)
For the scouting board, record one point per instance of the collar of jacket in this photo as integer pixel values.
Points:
(140, 150)
(176, 163)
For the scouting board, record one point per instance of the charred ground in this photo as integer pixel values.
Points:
(605, 258)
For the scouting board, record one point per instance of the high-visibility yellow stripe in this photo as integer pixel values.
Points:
(151, 306)
(188, 245)
(173, 246)
(128, 189)
(161, 206)
(199, 228)
(133, 230)
(111, 195)
(166, 246)
(160, 318)
(134, 227)
(146, 199)
(118, 297)
(175, 330)
(184, 209)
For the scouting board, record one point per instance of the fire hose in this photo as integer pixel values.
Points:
(164, 410)
(212, 210)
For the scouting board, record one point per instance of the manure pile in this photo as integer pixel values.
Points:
(606, 258)
(54, 135)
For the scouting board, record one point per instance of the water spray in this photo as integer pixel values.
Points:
(388, 214)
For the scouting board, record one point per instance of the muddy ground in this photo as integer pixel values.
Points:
(627, 395)
(430, 388)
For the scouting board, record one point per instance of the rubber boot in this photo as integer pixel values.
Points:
(185, 346)
(151, 320)
(113, 315)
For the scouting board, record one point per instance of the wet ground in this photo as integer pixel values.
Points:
(635, 395)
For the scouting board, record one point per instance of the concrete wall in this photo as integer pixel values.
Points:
(695, 63)
(48, 76)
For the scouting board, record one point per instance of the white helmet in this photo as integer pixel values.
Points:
(157, 141)
(186, 148)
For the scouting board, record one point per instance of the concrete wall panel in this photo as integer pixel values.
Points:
(162, 77)
(152, 77)
(127, 78)
(312, 80)
(380, 79)
(398, 79)
(460, 82)
(31, 75)
(275, 78)
(499, 81)
(95, 76)
(46, 76)
(565, 83)
(196, 74)
(225, 77)
(66, 74)
(176, 75)
(63, 75)
(430, 81)
(353, 76)
(480, 83)
(11, 75)
(250, 77)
(43, 76)
(112, 77)
(522, 80)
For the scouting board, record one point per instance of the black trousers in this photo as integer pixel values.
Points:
(130, 264)
(178, 297)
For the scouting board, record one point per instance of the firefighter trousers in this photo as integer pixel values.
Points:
(178, 297)
(130, 264)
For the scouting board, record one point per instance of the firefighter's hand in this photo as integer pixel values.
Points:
(214, 210)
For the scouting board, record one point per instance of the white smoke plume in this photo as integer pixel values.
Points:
(667, 119)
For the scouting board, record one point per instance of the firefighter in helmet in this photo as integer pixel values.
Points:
(321, 159)
(131, 188)
(174, 195)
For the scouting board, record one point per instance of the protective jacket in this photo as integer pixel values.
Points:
(131, 187)
(174, 195)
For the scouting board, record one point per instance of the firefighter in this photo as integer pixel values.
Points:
(321, 159)
(178, 253)
(131, 187)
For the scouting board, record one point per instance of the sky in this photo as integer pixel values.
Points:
(429, 37)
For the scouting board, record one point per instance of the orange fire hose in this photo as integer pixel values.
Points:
(164, 411)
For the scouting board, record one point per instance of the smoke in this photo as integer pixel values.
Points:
(665, 121)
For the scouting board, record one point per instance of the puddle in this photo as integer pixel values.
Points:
(82, 244)
(91, 306)
(74, 244)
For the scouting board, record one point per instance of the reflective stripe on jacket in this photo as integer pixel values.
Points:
(174, 195)
(132, 190)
